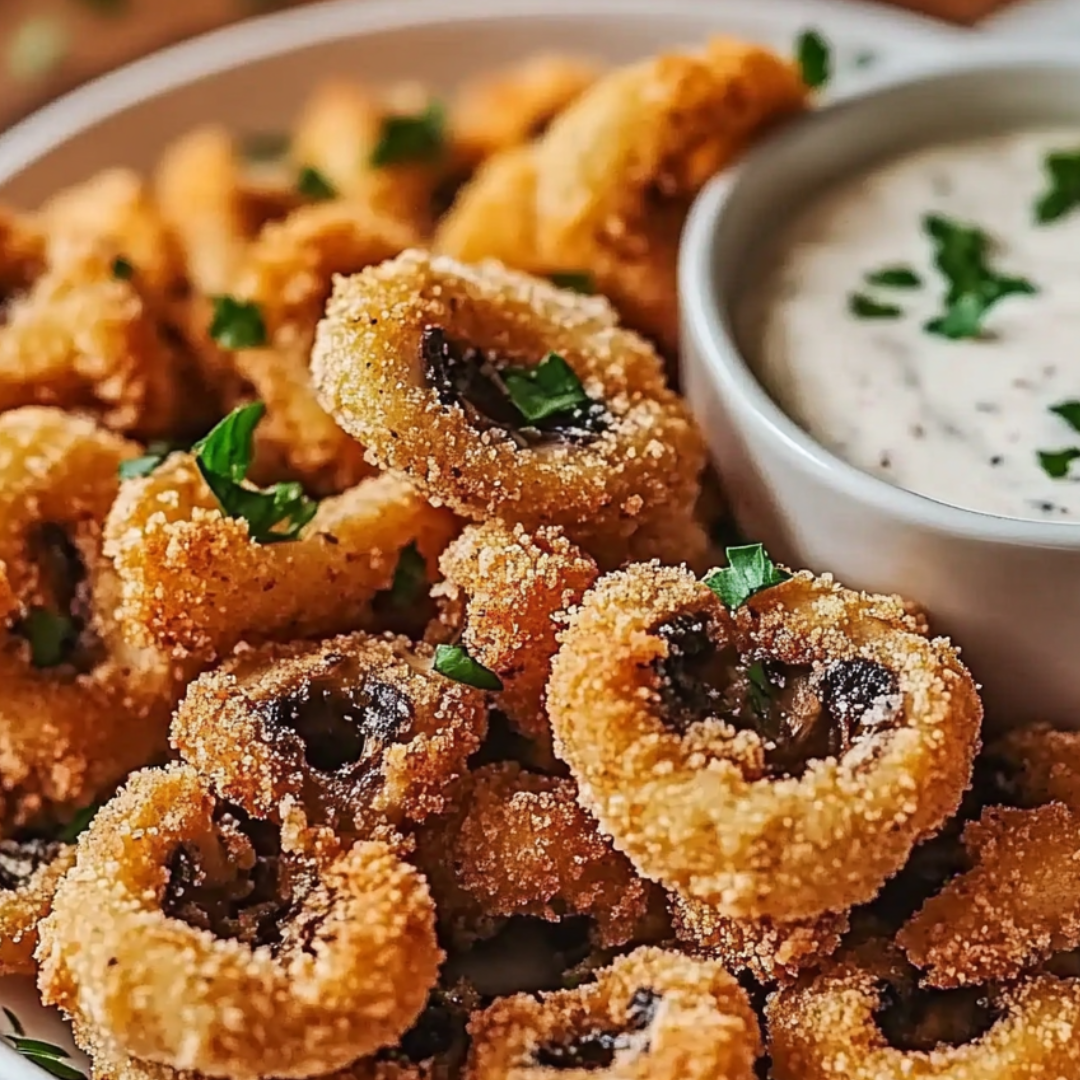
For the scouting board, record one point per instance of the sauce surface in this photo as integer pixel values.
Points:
(961, 421)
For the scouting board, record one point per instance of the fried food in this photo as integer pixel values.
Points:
(416, 359)
(515, 589)
(510, 106)
(1037, 764)
(650, 1014)
(617, 170)
(31, 868)
(780, 762)
(287, 272)
(80, 708)
(213, 950)
(195, 583)
(862, 1018)
(770, 951)
(1017, 905)
(519, 844)
(357, 730)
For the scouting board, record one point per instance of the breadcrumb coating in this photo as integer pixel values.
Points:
(22, 908)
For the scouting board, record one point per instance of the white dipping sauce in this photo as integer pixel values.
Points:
(959, 421)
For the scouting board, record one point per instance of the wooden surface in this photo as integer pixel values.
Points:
(50, 46)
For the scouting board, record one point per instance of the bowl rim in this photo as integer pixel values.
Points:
(703, 314)
(279, 33)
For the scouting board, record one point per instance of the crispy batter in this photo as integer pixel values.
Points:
(316, 965)
(358, 730)
(773, 952)
(194, 582)
(824, 1028)
(516, 588)
(695, 800)
(651, 1014)
(1038, 764)
(1018, 904)
(399, 338)
(23, 907)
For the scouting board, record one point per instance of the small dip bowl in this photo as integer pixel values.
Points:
(1006, 590)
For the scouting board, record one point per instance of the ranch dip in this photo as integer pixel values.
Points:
(840, 326)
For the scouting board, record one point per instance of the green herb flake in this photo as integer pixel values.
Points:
(78, 824)
(237, 324)
(749, 571)
(50, 634)
(53, 1059)
(264, 147)
(549, 388)
(894, 277)
(313, 185)
(761, 688)
(156, 452)
(864, 58)
(403, 140)
(455, 663)
(579, 281)
(1055, 463)
(814, 57)
(961, 254)
(1069, 411)
(224, 456)
(410, 577)
(866, 307)
(36, 48)
(122, 269)
(1062, 194)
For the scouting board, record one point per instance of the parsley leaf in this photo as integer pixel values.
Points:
(455, 663)
(313, 185)
(961, 254)
(749, 571)
(1062, 195)
(1069, 411)
(579, 281)
(814, 58)
(265, 146)
(45, 1055)
(1055, 463)
(237, 324)
(122, 269)
(550, 387)
(894, 277)
(406, 139)
(761, 688)
(866, 307)
(224, 457)
(410, 577)
(78, 824)
(156, 452)
(50, 634)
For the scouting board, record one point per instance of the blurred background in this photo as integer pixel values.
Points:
(49, 46)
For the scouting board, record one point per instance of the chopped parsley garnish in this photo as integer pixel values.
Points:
(455, 663)
(224, 457)
(579, 281)
(78, 824)
(1055, 463)
(53, 1059)
(1069, 411)
(410, 577)
(409, 139)
(51, 636)
(122, 269)
(1062, 195)
(261, 147)
(156, 453)
(961, 254)
(761, 688)
(814, 58)
(313, 185)
(549, 388)
(894, 277)
(237, 324)
(866, 307)
(749, 571)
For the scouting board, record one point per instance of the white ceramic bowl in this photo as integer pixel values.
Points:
(1007, 591)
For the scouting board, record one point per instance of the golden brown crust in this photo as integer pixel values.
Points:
(1018, 904)
(1038, 764)
(696, 812)
(694, 1022)
(352, 978)
(23, 908)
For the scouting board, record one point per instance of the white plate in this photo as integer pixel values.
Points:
(255, 76)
